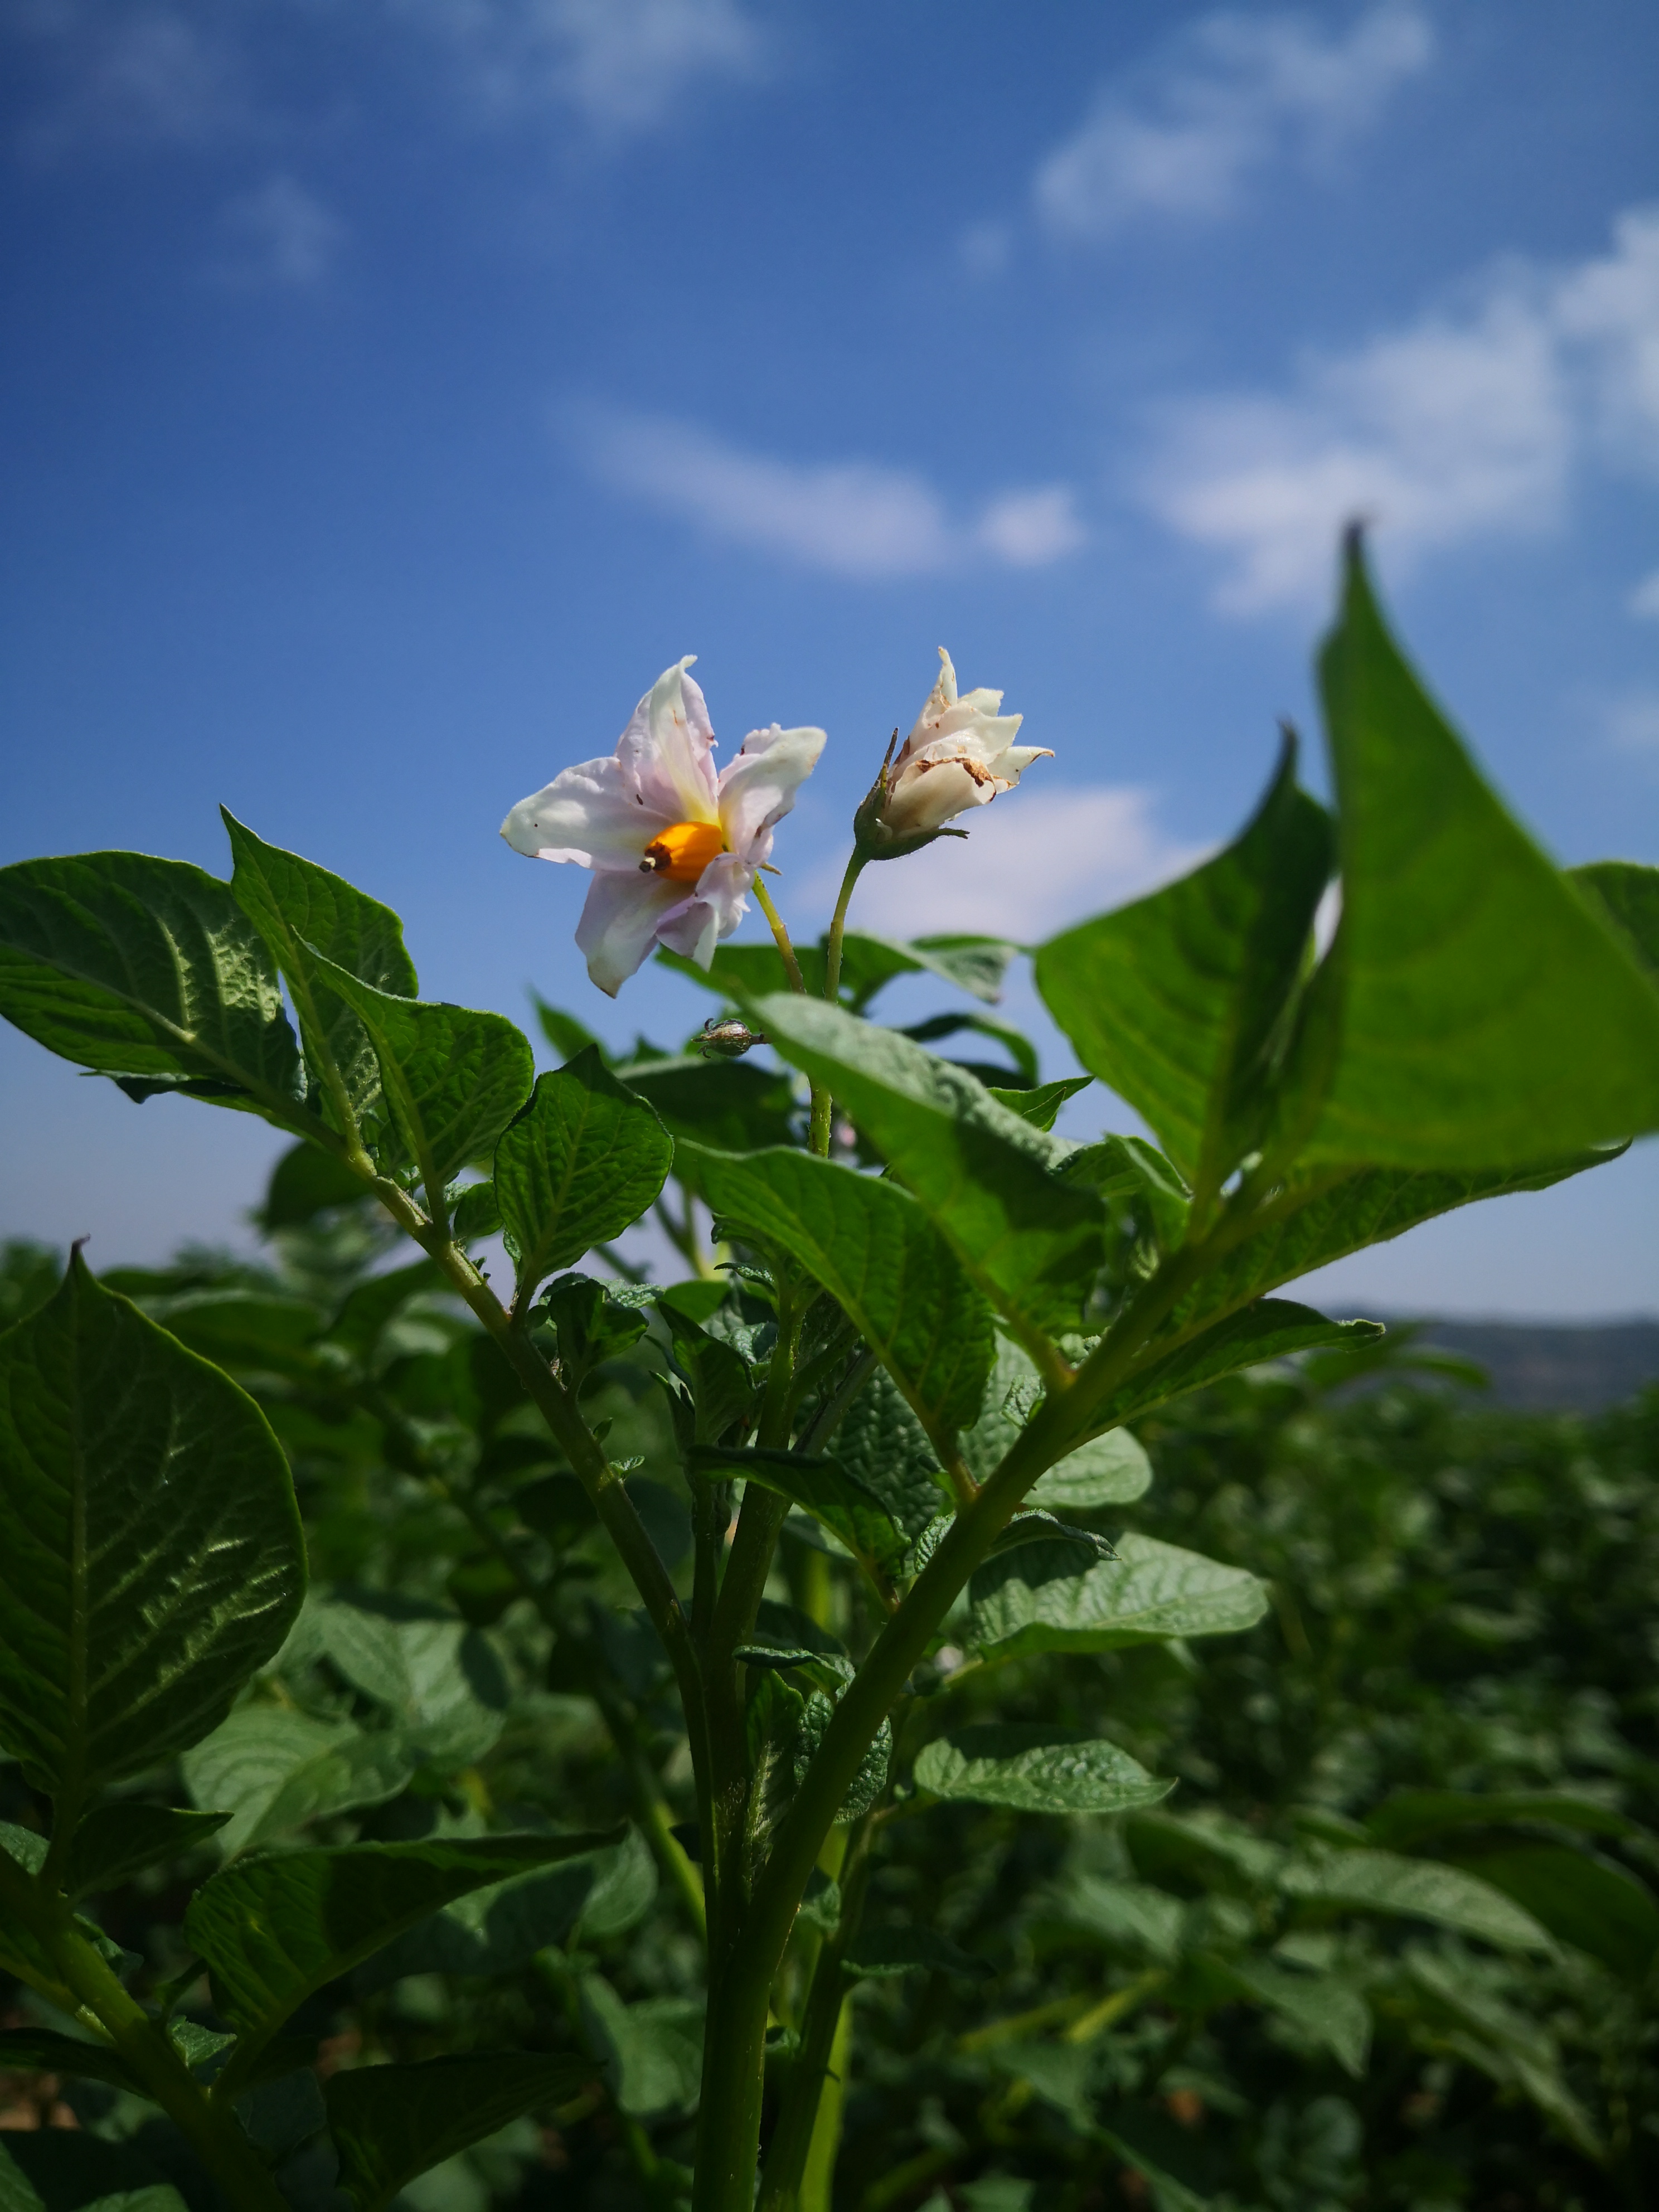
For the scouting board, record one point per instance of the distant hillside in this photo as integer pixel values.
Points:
(1553, 1365)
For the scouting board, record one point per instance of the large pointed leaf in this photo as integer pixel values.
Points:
(1052, 1597)
(150, 1551)
(295, 905)
(1174, 1001)
(1111, 1469)
(1484, 1013)
(116, 1841)
(853, 1515)
(1319, 2009)
(147, 969)
(1418, 1889)
(273, 1770)
(1032, 1242)
(732, 1103)
(884, 1448)
(1630, 893)
(875, 1251)
(652, 2050)
(1582, 1899)
(273, 1929)
(581, 1162)
(453, 1079)
(391, 2122)
(1034, 1769)
(1272, 1328)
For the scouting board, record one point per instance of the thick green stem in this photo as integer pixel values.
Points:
(796, 982)
(819, 1140)
(810, 2074)
(214, 2132)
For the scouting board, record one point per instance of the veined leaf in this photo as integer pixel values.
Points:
(273, 1929)
(974, 964)
(1418, 1889)
(1483, 1013)
(652, 2050)
(1272, 1328)
(116, 1840)
(1630, 894)
(1321, 2009)
(1582, 1899)
(44, 2050)
(581, 1163)
(454, 1080)
(731, 1104)
(1111, 1469)
(1044, 1597)
(1410, 1815)
(1176, 1001)
(391, 2122)
(1032, 1242)
(886, 1450)
(149, 971)
(150, 1551)
(1040, 1105)
(1035, 1769)
(273, 1769)
(853, 1515)
(723, 1390)
(295, 905)
(875, 1251)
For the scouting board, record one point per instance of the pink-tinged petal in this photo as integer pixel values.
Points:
(619, 924)
(758, 788)
(666, 749)
(590, 814)
(713, 911)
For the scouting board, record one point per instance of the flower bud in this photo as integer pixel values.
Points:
(961, 754)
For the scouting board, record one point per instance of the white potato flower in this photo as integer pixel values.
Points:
(960, 754)
(673, 847)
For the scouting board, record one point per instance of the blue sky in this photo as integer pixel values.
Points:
(390, 393)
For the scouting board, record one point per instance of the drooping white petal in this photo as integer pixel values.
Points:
(619, 923)
(758, 788)
(667, 747)
(592, 814)
(1013, 763)
(927, 794)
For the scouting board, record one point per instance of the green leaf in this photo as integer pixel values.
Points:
(1030, 1768)
(1405, 1819)
(1630, 894)
(581, 1163)
(1048, 1597)
(1208, 1850)
(1017, 1045)
(824, 1488)
(1111, 1469)
(453, 1079)
(439, 1680)
(875, 1251)
(887, 1453)
(1040, 1105)
(1178, 1001)
(593, 1325)
(883, 1953)
(296, 906)
(652, 2051)
(872, 1777)
(147, 969)
(253, 1331)
(475, 1212)
(150, 1551)
(1320, 2009)
(70, 2170)
(391, 2122)
(305, 1182)
(274, 1930)
(44, 2050)
(723, 1390)
(731, 1104)
(1482, 1012)
(1513, 2049)
(1418, 1889)
(1168, 2194)
(1582, 1899)
(273, 1769)
(567, 1036)
(974, 965)
(1320, 1220)
(1272, 1328)
(116, 1840)
(1129, 1915)
(1033, 1244)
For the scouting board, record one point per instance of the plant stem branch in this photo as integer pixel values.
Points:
(819, 1141)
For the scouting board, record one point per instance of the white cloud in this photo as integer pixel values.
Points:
(1033, 860)
(1185, 136)
(280, 236)
(1473, 423)
(1643, 601)
(126, 76)
(621, 63)
(1632, 721)
(851, 518)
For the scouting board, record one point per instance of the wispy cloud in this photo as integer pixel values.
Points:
(621, 62)
(1473, 423)
(280, 236)
(116, 77)
(1187, 134)
(1643, 601)
(1029, 865)
(855, 518)
(1631, 722)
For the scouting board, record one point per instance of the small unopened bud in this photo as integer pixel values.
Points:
(726, 1039)
(961, 755)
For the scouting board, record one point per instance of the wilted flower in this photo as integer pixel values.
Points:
(960, 754)
(673, 847)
